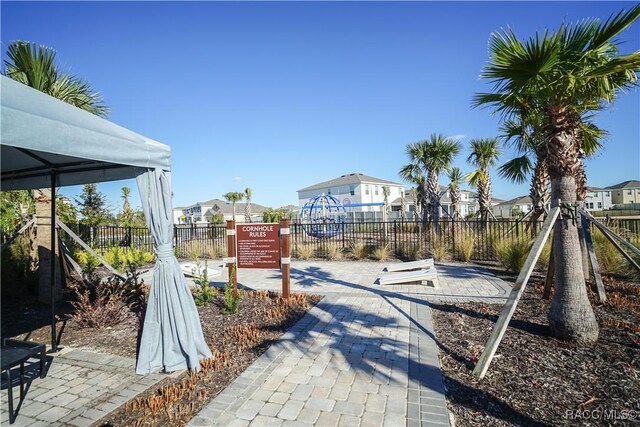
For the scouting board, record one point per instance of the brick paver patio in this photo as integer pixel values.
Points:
(365, 355)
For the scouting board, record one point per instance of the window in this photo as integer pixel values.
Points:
(607, 194)
(366, 189)
(599, 205)
(618, 192)
(629, 192)
(590, 205)
(376, 190)
(329, 191)
(352, 190)
(595, 194)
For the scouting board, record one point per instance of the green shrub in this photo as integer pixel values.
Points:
(465, 243)
(512, 254)
(205, 293)
(231, 302)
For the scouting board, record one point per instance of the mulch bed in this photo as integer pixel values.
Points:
(536, 379)
(236, 340)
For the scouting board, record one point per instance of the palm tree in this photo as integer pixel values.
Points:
(413, 174)
(233, 197)
(484, 154)
(35, 66)
(526, 134)
(565, 74)
(455, 179)
(431, 157)
(247, 206)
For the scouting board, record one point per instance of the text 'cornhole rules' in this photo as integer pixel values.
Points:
(258, 245)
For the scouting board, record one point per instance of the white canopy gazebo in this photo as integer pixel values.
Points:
(48, 143)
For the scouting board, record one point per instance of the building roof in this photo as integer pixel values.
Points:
(627, 184)
(352, 178)
(520, 200)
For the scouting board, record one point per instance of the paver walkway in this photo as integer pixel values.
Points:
(80, 388)
(365, 355)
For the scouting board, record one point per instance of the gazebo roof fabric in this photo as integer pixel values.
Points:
(40, 133)
(42, 137)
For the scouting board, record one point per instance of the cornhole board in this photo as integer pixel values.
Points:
(413, 265)
(409, 276)
(190, 269)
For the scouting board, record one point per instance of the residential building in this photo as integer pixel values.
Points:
(598, 199)
(178, 216)
(354, 189)
(467, 207)
(625, 193)
(513, 208)
(204, 212)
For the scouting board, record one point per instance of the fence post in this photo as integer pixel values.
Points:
(231, 255)
(395, 236)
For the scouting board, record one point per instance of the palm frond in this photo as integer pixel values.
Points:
(614, 26)
(516, 170)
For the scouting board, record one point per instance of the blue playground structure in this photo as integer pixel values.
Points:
(323, 216)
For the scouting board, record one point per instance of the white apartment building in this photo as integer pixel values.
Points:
(598, 199)
(354, 189)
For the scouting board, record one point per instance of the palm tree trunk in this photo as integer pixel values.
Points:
(43, 242)
(539, 188)
(570, 315)
(581, 195)
(433, 198)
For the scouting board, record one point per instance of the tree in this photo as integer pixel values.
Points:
(565, 74)
(455, 179)
(525, 132)
(385, 192)
(484, 154)
(125, 218)
(92, 204)
(413, 174)
(233, 198)
(247, 206)
(35, 66)
(430, 158)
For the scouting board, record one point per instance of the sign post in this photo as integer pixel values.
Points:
(231, 255)
(286, 256)
(265, 245)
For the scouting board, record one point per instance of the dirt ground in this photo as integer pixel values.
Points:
(538, 380)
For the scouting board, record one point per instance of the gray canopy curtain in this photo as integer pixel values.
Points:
(171, 336)
(45, 142)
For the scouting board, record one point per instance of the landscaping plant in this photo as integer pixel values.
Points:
(205, 293)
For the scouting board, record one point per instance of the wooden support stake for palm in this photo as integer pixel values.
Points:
(551, 270)
(586, 232)
(611, 236)
(518, 288)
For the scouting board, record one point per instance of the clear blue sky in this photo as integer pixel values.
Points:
(280, 96)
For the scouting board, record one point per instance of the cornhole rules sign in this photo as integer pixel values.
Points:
(258, 246)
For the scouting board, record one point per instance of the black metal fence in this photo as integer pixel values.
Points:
(400, 239)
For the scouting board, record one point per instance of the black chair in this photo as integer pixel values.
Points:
(11, 357)
(16, 353)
